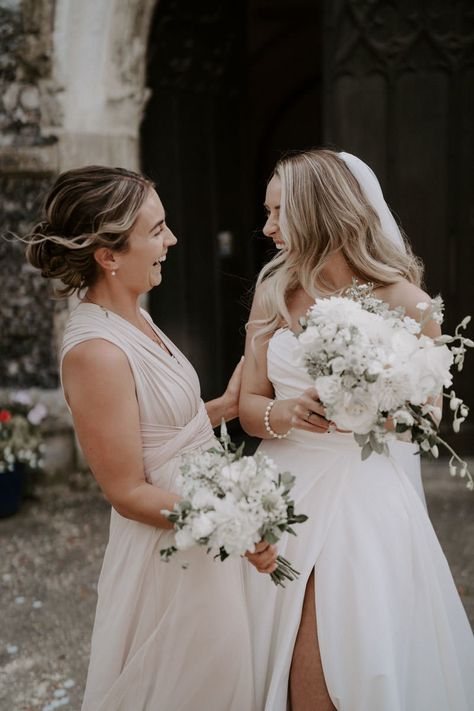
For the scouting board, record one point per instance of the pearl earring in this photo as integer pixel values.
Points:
(113, 273)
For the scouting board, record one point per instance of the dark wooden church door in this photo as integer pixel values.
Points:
(399, 93)
(191, 147)
(235, 84)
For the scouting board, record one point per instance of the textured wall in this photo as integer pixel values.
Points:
(27, 314)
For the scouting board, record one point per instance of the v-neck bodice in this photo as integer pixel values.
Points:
(167, 386)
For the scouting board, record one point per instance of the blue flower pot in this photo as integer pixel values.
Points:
(11, 491)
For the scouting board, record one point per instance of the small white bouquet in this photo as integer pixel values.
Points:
(231, 502)
(377, 376)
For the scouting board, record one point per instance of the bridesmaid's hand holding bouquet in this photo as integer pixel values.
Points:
(231, 503)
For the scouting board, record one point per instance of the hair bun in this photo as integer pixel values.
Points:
(85, 209)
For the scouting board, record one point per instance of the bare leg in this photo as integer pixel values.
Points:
(308, 690)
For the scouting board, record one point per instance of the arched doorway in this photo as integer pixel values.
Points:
(223, 107)
(191, 146)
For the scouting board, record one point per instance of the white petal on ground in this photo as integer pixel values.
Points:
(19, 600)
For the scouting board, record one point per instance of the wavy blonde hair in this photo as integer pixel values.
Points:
(323, 210)
(86, 208)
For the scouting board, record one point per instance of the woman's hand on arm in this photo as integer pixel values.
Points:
(100, 390)
(227, 405)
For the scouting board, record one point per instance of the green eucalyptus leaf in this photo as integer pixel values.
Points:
(366, 451)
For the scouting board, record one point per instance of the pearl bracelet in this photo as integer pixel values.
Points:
(266, 421)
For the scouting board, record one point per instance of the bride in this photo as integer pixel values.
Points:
(374, 622)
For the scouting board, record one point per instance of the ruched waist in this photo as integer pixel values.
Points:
(162, 443)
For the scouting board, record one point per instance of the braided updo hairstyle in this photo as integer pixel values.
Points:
(85, 209)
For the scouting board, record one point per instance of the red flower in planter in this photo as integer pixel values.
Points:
(5, 416)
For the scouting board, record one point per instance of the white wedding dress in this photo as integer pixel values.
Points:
(392, 631)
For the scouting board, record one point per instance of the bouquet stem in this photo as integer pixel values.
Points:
(284, 571)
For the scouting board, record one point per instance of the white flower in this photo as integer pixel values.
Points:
(184, 539)
(37, 414)
(329, 389)
(203, 499)
(310, 336)
(21, 397)
(454, 403)
(359, 412)
(430, 365)
(411, 325)
(242, 470)
(338, 364)
(403, 417)
(202, 525)
(393, 389)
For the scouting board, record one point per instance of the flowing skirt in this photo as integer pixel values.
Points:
(167, 638)
(392, 631)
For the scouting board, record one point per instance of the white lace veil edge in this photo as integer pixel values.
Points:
(370, 186)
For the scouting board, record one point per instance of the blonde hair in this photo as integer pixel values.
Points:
(323, 210)
(85, 209)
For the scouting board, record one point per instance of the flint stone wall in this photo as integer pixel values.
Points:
(72, 92)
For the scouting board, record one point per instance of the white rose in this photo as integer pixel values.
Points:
(404, 344)
(329, 388)
(358, 412)
(202, 526)
(432, 364)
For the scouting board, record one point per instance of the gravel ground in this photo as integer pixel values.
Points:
(51, 555)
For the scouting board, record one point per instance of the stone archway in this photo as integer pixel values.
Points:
(97, 90)
(73, 92)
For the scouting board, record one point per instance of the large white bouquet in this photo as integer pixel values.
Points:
(377, 375)
(231, 502)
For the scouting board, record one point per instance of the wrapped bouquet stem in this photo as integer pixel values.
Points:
(379, 376)
(230, 503)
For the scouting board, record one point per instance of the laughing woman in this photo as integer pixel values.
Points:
(374, 623)
(164, 638)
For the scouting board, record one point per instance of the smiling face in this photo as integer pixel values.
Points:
(271, 227)
(139, 267)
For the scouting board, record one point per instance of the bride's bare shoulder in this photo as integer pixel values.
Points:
(403, 293)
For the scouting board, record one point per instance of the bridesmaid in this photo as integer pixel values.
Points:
(164, 637)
